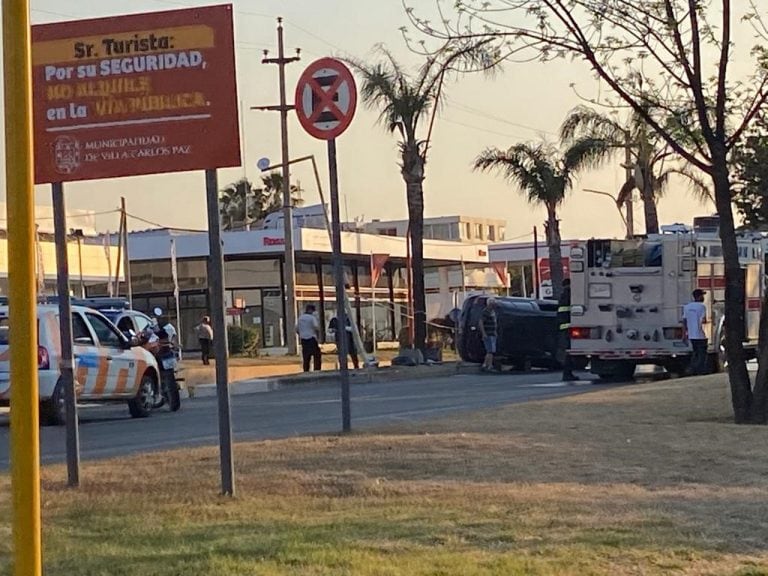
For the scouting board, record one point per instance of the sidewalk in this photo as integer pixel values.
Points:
(241, 369)
(268, 383)
(195, 374)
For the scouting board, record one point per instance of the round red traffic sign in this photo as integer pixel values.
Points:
(326, 98)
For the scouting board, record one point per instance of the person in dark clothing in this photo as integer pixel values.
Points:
(489, 332)
(564, 327)
(333, 327)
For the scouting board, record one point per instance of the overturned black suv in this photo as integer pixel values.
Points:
(527, 332)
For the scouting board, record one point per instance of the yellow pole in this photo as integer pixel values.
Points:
(25, 445)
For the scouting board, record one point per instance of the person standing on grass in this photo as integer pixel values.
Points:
(488, 331)
(308, 329)
(694, 318)
(204, 332)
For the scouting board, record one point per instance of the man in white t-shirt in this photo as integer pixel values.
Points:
(308, 329)
(694, 318)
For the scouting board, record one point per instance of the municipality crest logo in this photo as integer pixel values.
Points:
(67, 154)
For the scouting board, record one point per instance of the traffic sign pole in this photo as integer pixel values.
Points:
(326, 98)
(342, 342)
(22, 287)
(65, 335)
(220, 348)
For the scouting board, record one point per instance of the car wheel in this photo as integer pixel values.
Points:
(53, 410)
(140, 406)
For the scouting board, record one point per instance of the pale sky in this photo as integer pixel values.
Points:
(522, 103)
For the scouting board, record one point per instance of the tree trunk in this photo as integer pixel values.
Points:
(413, 173)
(741, 391)
(555, 255)
(650, 209)
(416, 223)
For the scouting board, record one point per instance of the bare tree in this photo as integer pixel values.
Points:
(671, 62)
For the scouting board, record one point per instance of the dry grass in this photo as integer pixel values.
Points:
(647, 479)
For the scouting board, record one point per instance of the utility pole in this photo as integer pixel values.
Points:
(126, 256)
(630, 220)
(78, 234)
(536, 278)
(290, 260)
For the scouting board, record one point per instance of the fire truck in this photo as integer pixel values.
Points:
(627, 297)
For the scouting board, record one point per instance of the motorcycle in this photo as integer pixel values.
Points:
(159, 341)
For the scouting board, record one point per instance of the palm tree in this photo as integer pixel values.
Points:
(651, 162)
(545, 176)
(234, 204)
(405, 102)
(241, 204)
(273, 187)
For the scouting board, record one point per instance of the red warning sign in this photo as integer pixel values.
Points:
(326, 98)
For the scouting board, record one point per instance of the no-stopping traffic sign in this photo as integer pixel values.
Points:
(326, 98)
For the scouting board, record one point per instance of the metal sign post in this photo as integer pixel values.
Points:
(67, 366)
(342, 342)
(220, 348)
(25, 437)
(326, 98)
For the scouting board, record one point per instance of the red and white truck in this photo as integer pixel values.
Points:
(627, 297)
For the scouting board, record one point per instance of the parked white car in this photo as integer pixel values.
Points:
(108, 368)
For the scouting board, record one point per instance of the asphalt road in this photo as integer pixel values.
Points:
(108, 431)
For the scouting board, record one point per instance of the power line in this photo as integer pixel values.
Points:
(52, 13)
(483, 114)
(526, 235)
(478, 128)
(162, 226)
(74, 216)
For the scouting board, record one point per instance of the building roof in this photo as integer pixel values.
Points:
(144, 246)
(524, 251)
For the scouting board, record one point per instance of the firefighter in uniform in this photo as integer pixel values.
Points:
(564, 325)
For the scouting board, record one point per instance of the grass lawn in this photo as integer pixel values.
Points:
(647, 479)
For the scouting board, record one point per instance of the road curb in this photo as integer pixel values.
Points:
(329, 378)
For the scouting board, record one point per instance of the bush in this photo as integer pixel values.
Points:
(244, 341)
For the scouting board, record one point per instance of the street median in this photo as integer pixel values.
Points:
(324, 377)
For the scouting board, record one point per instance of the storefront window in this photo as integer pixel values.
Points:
(399, 278)
(328, 279)
(151, 276)
(193, 274)
(249, 312)
(252, 273)
(272, 304)
(382, 324)
(306, 274)
(364, 275)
